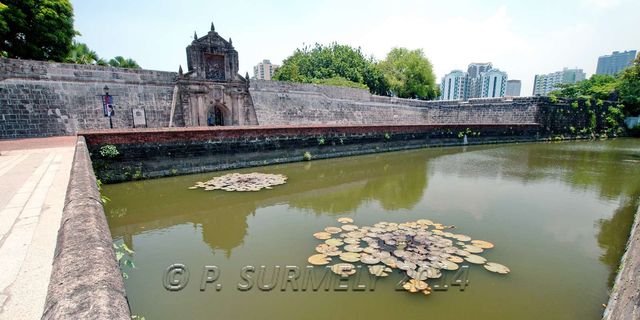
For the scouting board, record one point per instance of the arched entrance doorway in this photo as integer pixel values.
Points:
(216, 116)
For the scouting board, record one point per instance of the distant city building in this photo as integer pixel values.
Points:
(494, 83)
(474, 84)
(480, 81)
(615, 62)
(543, 84)
(264, 70)
(454, 86)
(513, 88)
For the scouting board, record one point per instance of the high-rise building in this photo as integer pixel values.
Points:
(615, 62)
(543, 84)
(264, 70)
(480, 81)
(474, 85)
(494, 83)
(454, 86)
(513, 88)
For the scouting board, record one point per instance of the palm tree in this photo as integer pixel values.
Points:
(81, 54)
(121, 62)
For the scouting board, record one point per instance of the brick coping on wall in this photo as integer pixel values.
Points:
(314, 126)
(142, 135)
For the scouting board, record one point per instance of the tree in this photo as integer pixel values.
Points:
(121, 62)
(335, 64)
(629, 88)
(623, 89)
(81, 54)
(36, 29)
(409, 74)
(598, 87)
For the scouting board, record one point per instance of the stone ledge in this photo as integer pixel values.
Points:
(86, 282)
(624, 302)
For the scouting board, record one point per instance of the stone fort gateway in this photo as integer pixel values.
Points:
(47, 99)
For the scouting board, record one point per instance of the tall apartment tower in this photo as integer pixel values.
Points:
(494, 83)
(454, 86)
(615, 62)
(264, 70)
(543, 84)
(513, 88)
(474, 72)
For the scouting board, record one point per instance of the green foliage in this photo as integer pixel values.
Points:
(599, 86)
(81, 54)
(387, 136)
(124, 256)
(623, 88)
(629, 88)
(104, 199)
(36, 29)
(321, 141)
(138, 174)
(409, 74)
(334, 64)
(121, 62)
(553, 98)
(109, 151)
(307, 156)
(339, 82)
(574, 105)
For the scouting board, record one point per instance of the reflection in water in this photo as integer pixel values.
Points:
(538, 201)
(396, 181)
(614, 234)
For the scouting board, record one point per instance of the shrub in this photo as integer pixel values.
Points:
(307, 156)
(109, 151)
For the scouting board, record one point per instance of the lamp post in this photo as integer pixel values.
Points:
(108, 105)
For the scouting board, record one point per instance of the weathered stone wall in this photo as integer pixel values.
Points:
(282, 103)
(154, 153)
(45, 99)
(86, 282)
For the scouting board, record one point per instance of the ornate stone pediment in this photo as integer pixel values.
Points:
(212, 58)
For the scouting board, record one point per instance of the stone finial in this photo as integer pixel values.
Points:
(180, 73)
(195, 36)
(246, 76)
(230, 42)
(213, 28)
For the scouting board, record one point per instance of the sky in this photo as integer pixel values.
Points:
(523, 38)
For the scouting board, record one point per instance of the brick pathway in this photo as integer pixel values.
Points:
(34, 174)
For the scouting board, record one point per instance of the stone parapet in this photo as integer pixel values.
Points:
(86, 282)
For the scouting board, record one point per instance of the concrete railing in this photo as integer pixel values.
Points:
(624, 302)
(86, 282)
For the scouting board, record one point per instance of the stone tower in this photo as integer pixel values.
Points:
(212, 93)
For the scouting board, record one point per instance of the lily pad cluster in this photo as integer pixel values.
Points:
(253, 181)
(422, 249)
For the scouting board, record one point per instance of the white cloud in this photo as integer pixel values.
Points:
(601, 4)
(450, 42)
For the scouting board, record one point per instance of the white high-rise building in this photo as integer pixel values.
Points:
(494, 83)
(474, 84)
(454, 86)
(264, 70)
(543, 84)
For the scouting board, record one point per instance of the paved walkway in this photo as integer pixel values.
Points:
(34, 174)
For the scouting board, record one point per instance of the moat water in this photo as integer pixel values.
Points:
(558, 213)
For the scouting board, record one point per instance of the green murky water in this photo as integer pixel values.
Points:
(558, 213)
